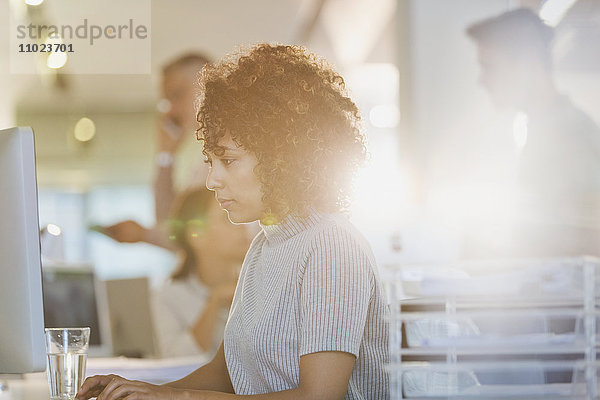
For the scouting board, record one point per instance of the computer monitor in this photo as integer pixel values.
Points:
(132, 329)
(73, 297)
(22, 347)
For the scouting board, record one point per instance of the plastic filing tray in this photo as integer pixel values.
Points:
(503, 329)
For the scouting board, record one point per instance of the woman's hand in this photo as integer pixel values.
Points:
(113, 387)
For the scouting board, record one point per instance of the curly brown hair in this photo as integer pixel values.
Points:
(292, 111)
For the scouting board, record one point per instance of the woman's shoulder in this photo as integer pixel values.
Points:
(337, 225)
(257, 242)
(334, 231)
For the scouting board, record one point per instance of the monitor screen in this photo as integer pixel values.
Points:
(70, 300)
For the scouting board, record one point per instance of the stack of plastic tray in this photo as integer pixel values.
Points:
(508, 329)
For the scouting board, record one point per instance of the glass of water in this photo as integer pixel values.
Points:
(67, 355)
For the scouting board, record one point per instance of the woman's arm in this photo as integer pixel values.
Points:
(212, 376)
(323, 376)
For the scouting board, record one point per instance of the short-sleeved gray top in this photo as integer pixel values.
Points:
(307, 285)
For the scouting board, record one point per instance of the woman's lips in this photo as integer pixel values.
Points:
(226, 204)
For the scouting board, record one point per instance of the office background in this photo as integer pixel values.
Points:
(410, 67)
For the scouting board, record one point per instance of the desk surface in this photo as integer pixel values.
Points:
(35, 386)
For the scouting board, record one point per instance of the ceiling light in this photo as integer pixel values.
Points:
(553, 11)
(56, 60)
(85, 130)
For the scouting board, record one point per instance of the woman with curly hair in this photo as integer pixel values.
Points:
(282, 140)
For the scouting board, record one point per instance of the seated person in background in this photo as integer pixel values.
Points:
(190, 310)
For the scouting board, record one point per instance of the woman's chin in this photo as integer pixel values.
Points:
(236, 218)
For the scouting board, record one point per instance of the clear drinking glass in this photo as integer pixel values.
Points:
(67, 356)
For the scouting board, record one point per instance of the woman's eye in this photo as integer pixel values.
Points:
(227, 161)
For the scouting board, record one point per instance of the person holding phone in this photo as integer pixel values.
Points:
(176, 159)
(282, 141)
(177, 166)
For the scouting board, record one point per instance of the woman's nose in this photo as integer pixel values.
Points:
(213, 181)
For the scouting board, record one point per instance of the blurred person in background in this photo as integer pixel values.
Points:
(191, 308)
(178, 158)
(557, 209)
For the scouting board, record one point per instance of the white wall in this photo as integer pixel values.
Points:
(121, 152)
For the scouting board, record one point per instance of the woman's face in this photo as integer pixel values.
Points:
(237, 188)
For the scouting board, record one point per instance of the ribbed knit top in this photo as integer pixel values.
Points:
(307, 285)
